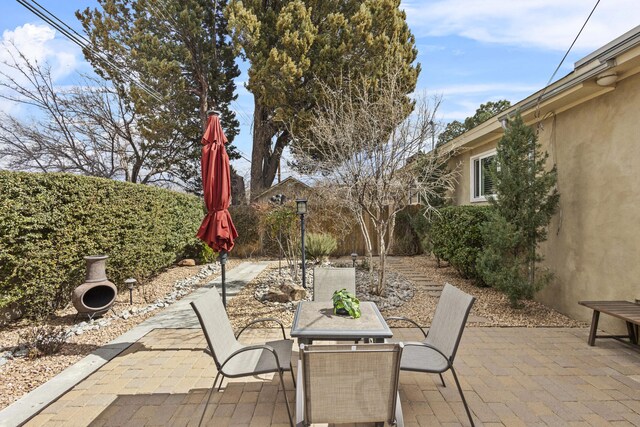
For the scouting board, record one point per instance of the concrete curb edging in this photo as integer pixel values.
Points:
(177, 315)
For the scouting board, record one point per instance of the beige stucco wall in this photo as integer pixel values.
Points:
(594, 240)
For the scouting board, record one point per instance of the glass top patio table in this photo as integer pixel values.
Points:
(314, 320)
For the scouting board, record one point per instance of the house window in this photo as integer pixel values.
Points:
(481, 183)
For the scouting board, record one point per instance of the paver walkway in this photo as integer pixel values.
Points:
(178, 315)
(511, 377)
(404, 266)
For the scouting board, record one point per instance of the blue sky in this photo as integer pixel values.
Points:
(471, 51)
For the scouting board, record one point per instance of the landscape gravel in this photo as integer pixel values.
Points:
(404, 295)
(22, 374)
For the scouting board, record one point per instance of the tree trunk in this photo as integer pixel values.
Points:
(368, 248)
(265, 158)
(383, 259)
(238, 196)
(390, 234)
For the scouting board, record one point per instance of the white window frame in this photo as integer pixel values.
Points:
(472, 174)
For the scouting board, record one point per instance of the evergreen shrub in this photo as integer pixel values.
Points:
(455, 236)
(49, 222)
(318, 246)
(527, 199)
(408, 231)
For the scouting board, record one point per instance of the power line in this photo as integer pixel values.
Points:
(78, 39)
(241, 111)
(565, 55)
(242, 154)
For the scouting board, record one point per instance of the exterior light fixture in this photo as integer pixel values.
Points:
(354, 257)
(301, 206)
(607, 78)
(130, 282)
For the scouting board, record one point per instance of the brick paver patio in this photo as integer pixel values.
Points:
(511, 377)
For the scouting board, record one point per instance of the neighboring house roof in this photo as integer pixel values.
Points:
(592, 76)
(285, 182)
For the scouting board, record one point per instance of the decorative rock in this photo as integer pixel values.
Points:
(21, 353)
(295, 292)
(5, 357)
(187, 262)
(276, 295)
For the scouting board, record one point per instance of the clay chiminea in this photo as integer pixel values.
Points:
(97, 294)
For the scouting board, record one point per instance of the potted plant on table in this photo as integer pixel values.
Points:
(346, 303)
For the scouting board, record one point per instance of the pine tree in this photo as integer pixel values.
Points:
(455, 128)
(295, 47)
(525, 201)
(181, 50)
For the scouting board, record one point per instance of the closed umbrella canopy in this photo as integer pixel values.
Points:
(217, 229)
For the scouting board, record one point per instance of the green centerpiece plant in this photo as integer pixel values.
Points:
(346, 303)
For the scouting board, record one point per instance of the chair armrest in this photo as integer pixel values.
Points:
(263, 319)
(422, 344)
(406, 319)
(252, 348)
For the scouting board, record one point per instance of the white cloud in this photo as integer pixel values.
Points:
(38, 43)
(546, 24)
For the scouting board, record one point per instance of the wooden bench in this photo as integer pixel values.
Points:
(625, 310)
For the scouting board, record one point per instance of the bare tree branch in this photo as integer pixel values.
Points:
(86, 129)
(366, 143)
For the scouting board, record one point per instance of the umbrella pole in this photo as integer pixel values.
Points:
(223, 261)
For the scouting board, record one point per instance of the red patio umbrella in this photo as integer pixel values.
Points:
(217, 229)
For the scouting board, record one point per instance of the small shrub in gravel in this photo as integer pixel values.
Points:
(43, 340)
(318, 246)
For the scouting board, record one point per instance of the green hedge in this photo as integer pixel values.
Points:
(456, 237)
(49, 222)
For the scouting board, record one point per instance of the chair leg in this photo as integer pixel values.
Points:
(464, 401)
(286, 401)
(442, 379)
(292, 376)
(216, 380)
(204, 411)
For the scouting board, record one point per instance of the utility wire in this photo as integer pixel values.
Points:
(565, 56)
(245, 116)
(78, 39)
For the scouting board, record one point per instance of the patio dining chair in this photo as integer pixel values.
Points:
(435, 354)
(345, 383)
(326, 280)
(233, 359)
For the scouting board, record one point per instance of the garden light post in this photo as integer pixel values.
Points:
(130, 282)
(279, 198)
(301, 209)
(354, 257)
